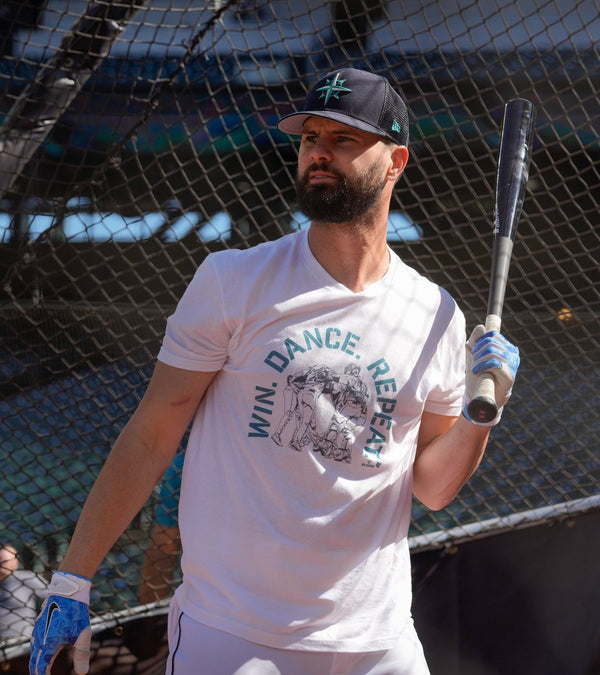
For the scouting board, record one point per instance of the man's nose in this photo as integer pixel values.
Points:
(321, 151)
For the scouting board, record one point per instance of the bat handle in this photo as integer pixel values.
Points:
(482, 407)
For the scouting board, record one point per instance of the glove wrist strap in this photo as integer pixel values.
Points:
(70, 586)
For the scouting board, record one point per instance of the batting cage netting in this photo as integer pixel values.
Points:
(139, 136)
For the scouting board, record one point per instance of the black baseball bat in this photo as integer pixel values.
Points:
(511, 179)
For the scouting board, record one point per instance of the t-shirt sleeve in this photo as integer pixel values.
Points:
(448, 373)
(198, 333)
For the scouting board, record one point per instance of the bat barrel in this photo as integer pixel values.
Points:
(513, 165)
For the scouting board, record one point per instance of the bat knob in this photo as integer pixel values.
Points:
(482, 409)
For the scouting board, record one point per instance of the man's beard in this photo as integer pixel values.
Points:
(348, 200)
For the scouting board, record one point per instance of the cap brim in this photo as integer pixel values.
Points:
(294, 122)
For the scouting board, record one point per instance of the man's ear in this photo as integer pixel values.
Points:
(399, 160)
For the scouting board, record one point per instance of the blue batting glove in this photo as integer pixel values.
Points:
(64, 620)
(490, 352)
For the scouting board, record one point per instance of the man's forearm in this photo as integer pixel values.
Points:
(446, 463)
(121, 489)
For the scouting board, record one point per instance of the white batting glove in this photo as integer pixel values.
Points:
(63, 620)
(490, 352)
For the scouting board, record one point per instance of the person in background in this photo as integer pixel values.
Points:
(162, 553)
(296, 492)
(21, 594)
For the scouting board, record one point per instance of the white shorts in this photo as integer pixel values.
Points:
(196, 649)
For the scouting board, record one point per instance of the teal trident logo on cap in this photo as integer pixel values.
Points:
(333, 88)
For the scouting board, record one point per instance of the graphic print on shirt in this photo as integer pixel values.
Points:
(323, 409)
(326, 410)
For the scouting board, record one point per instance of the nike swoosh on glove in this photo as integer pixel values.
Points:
(64, 620)
(490, 352)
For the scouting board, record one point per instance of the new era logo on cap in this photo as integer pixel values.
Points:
(357, 98)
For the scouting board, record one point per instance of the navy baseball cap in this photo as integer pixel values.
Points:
(357, 98)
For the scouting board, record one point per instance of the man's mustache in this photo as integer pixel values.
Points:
(322, 166)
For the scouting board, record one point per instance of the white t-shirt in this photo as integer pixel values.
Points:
(296, 491)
